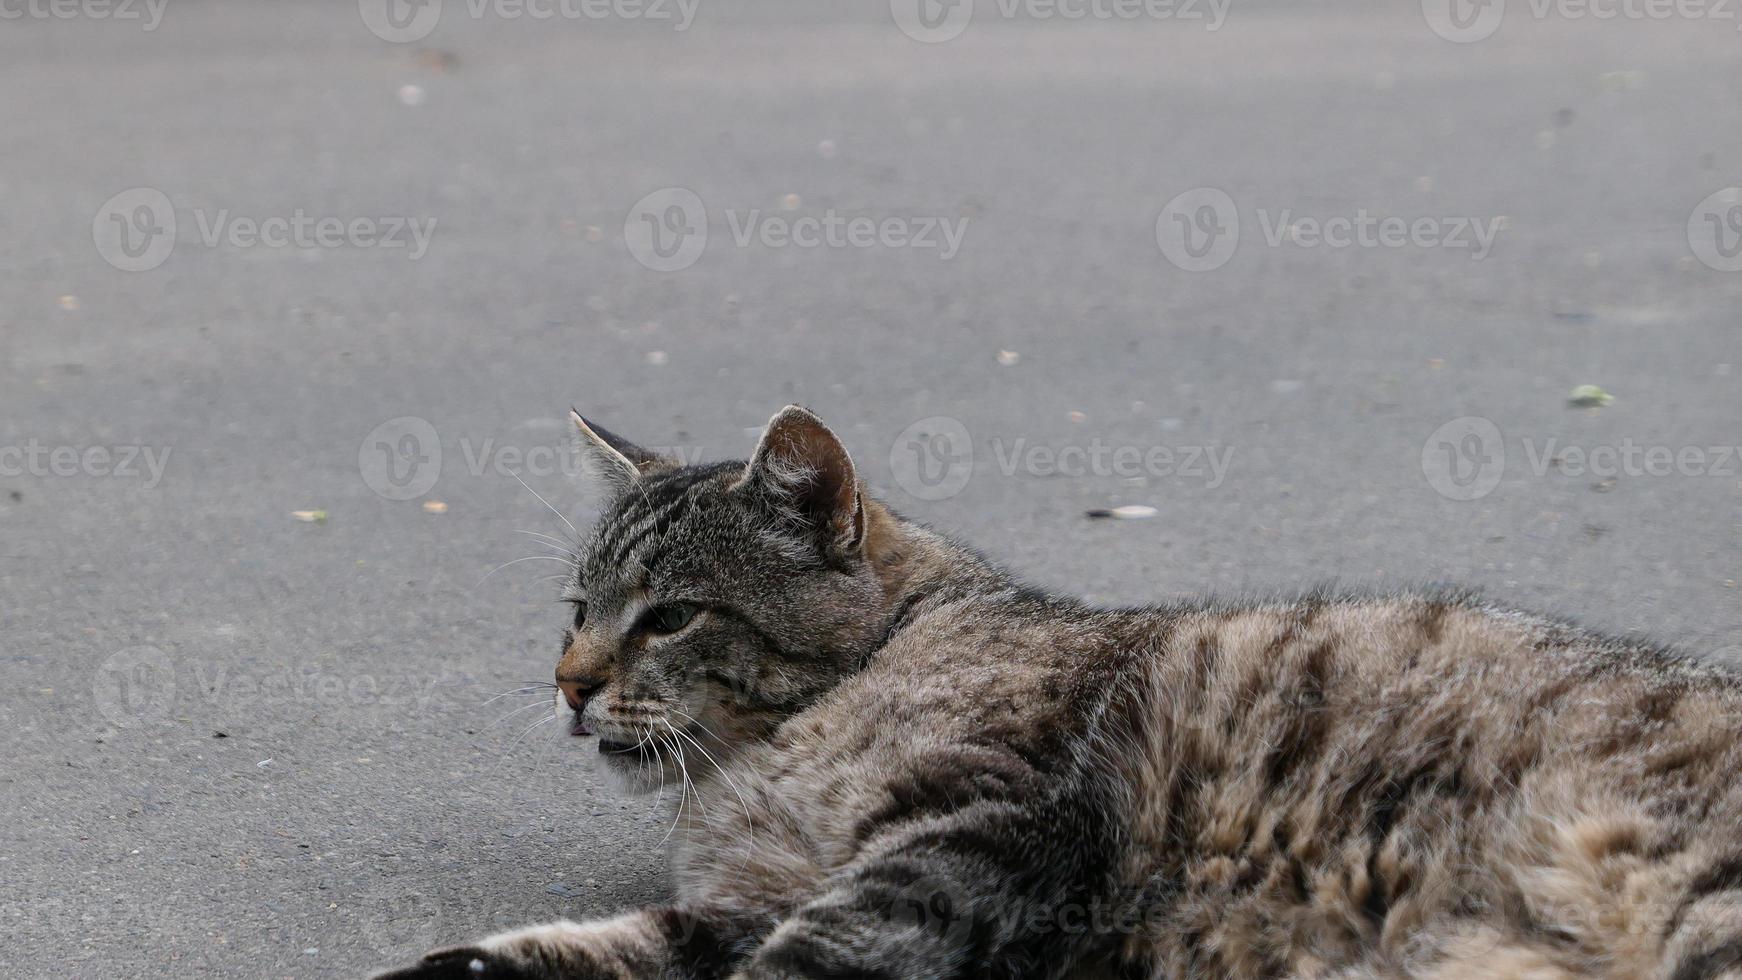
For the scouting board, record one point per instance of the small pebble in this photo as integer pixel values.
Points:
(310, 516)
(656, 357)
(594, 233)
(1589, 396)
(69, 302)
(411, 94)
(826, 149)
(1008, 358)
(1129, 512)
(434, 507)
(1077, 417)
(791, 202)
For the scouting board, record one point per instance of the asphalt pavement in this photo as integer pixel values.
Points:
(294, 299)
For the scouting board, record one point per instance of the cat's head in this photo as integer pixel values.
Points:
(714, 601)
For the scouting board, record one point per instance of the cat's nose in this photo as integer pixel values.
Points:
(576, 693)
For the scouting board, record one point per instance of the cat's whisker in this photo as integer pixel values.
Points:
(517, 561)
(692, 719)
(718, 769)
(683, 764)
(518, 692)
(529, 730)
(524, 707)
(553, 510)
(677, 754)
(659, 759)
(561, 549)
(553, 539)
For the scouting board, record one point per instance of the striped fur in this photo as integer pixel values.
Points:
(902, 763)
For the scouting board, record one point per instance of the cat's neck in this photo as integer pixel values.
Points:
(915, 563)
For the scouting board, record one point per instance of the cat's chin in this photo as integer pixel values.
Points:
(632, 773)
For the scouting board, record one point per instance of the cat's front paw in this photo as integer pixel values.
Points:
(459, 963)
(557, 951)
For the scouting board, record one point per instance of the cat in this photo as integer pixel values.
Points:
(896, 761)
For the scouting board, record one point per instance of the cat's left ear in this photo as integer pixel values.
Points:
(803, 466)
(613, 458)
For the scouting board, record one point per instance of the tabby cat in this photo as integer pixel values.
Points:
(896, 761)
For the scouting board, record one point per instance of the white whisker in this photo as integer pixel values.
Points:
(553, 510)
(717, 768)
(517, 561)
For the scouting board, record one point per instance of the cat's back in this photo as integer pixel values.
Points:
(1365, 770)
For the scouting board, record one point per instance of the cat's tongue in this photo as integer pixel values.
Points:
(580, 728)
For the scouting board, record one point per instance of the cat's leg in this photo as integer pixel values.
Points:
(672, 943)
(991, 891)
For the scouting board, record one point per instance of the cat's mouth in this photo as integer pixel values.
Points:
(612, 747)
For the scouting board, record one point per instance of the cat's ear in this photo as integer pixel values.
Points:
(803, 467)
(611, 457)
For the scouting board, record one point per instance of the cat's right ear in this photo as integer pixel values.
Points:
(610, 457)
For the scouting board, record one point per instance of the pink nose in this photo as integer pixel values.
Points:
(577, 693)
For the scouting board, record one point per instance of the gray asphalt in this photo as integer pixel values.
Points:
(242, 744)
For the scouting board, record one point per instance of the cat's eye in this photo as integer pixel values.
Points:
(669, 618)
(580, 613)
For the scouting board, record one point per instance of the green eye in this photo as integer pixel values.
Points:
(671, 617)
